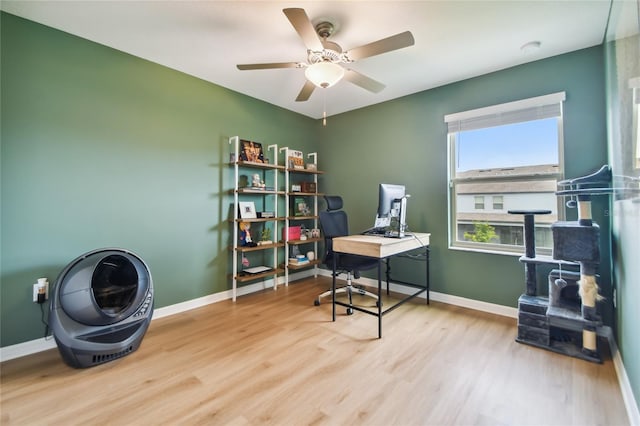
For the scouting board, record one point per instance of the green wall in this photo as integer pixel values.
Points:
(103, 149)
(404, 141)
(623, 64)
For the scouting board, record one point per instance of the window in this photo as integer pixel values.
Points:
(498, 202)
(510, 154)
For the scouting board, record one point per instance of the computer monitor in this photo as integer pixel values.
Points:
(392, 209)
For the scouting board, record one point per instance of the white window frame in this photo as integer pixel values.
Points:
(634, 85)
(540, 107)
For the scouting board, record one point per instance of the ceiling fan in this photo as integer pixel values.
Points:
(322, 67)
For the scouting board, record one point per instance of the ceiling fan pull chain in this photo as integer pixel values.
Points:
(324, 107)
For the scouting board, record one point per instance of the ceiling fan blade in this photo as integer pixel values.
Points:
(363, 81)
(384, 45)
(306, 91)
(304, 27)
(269, 66)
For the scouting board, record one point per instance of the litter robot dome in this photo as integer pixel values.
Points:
(101, 307)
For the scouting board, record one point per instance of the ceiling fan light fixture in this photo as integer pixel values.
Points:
(324, 74)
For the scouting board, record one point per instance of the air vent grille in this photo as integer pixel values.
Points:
(98, 359)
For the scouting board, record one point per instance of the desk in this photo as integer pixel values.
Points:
(380, 248)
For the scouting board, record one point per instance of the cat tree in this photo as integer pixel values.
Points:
(566, 321)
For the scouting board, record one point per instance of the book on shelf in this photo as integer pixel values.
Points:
(299, 260)
(294, 233)
(295, 159)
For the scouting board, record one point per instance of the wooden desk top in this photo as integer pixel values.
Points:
(379, 247)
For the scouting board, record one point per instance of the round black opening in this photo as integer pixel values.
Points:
(114, 284)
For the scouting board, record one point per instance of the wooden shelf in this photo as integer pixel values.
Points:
(308, 240)
(259, 219)
(301, 217)
(257, 165)
(306, 265)
(251, 277)
(245, 249)
(305, 194)
(258, 191)
(310, 172)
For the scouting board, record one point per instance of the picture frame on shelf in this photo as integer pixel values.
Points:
(251, 151)
(300, 207)
(247, 210)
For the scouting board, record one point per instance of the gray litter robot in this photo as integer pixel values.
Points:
(101, 307)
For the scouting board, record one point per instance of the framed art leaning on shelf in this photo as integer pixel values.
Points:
(247, 209)
(251, 151)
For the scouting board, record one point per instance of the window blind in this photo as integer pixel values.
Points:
(537, 108)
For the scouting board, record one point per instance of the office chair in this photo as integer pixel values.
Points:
(334, 223)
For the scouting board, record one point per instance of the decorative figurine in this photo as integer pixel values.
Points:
(256, 182)
(245, 235)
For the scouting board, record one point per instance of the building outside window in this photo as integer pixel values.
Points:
(510, 154)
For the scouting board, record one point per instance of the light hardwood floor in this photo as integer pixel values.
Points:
(274, 358)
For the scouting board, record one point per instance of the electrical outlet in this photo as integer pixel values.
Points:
(36, 290)
(41, 288)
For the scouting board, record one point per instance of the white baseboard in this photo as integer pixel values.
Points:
(38, 345)
(26, 348)
(623, 380)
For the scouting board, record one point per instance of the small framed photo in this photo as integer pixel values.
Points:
(247, 210)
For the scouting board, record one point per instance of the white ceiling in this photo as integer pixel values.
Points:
(454, 40)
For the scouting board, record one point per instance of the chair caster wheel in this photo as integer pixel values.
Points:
(349, 311)
(316, 302)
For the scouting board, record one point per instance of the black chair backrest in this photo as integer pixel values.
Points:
(333, 222)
